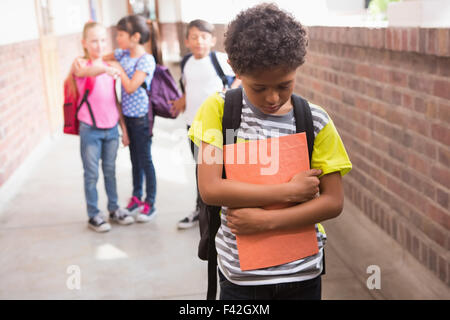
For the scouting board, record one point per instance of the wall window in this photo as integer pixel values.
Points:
(147, 8)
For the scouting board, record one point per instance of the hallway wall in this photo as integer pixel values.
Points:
(388, 91)
(25, 114)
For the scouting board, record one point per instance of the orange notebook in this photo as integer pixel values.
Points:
(271, 161)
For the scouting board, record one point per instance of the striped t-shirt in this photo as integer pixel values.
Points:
(257, 125)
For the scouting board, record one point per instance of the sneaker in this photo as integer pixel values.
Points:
(190, 221)
(121, 216)
(134, 206)
(147, 213)
(99, 224)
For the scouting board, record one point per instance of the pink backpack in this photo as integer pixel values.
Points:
(71, 107)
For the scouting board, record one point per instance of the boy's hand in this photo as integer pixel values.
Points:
(304, 186)
(178, 106)
(247, 220)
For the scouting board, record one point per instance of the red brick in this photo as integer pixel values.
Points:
(418, 163)
(422, 145)
(439, 215)
(443, 42)
(422, 40)
(432, 41)
(397, 78)
(431, 109)
(443, 66)
(441, 133)
(419, 125)
(413, 198)
(413, 39)
(397, 39)
(420, 84)
(441, 175)
(442, 197)
(389, 39)
(443, 270)
(444, 156)
(442, 89)
(404, 39)
(407, 101)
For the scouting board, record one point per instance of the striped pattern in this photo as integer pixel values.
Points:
(257, 125)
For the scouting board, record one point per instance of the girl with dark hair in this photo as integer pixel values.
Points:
(138, 68)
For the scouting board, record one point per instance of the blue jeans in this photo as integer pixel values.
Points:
(96, 144)
(141, 158)
(301, 290)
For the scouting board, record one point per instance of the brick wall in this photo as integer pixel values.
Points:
(24, 115)
(24, 120)
(388, 92)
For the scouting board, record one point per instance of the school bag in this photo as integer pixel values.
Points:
(163, 88)
(71, 106)
(226, 80)
(209, 217)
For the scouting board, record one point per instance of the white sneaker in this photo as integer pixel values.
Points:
(146, 214)
(189, 221)
(99, 224)
(121, 216)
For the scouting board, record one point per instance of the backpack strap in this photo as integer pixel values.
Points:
(303, 121)
(232, 112)
(88, 87)
(218, 68)
(231, 120)
(182, 64)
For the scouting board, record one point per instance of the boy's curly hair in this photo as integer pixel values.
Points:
(265, 36)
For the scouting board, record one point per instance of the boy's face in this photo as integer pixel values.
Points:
(199, 42)
(270, 90)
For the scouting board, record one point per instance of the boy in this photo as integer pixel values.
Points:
(266, 46)
(200, 81)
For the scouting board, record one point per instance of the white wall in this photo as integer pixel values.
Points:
(18, 21)
(69, 15)
(113, 11)
(213, 11)
(222, 12)
(169, 11)
(420, 13)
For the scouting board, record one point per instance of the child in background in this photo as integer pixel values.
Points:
(99, 137)
(200, 81)
(266, 46)
(137, 68)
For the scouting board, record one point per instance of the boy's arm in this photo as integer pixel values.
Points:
(234, 194)
(327, 206)
(178, 106)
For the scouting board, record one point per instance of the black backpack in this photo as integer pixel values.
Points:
(209, 218)
(226, 80)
